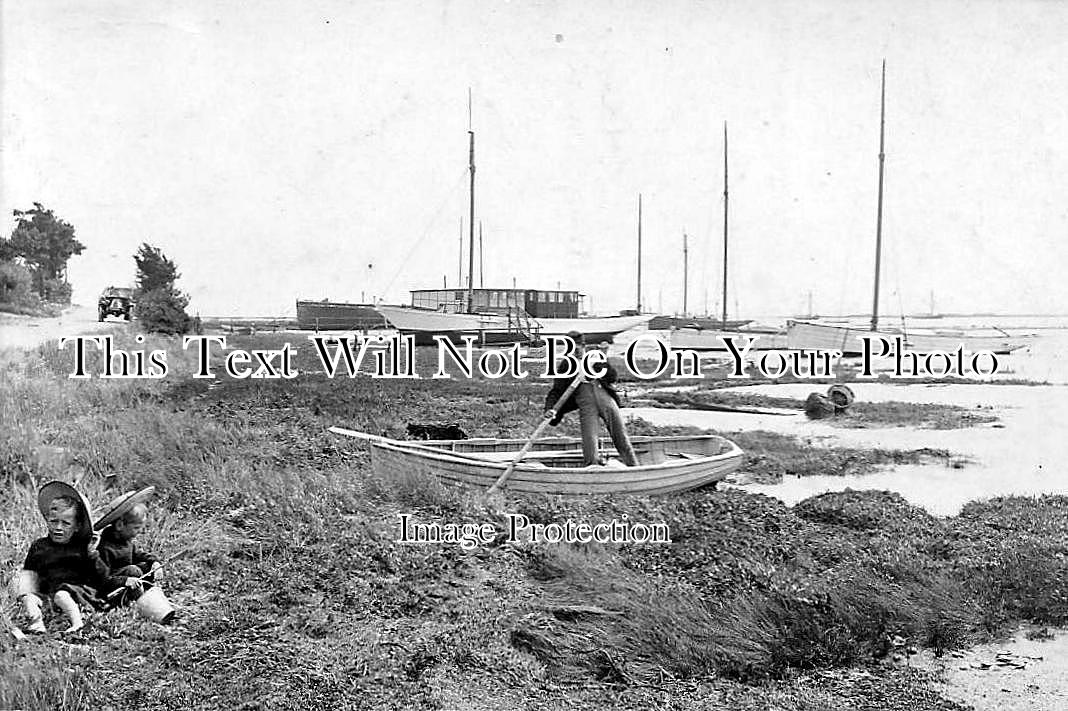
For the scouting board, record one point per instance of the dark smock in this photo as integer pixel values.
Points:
(118, 554)
(67, 564)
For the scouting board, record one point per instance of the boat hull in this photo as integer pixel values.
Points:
(333, 316)
(554, 466)
(594, 329)
(662, 323)
(697, 339)
(425, 324)
(806, 335)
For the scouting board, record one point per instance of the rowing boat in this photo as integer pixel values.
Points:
(554, 465)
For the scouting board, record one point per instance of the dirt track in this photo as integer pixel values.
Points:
(25, 332)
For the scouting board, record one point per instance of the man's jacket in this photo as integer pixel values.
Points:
(561, 384)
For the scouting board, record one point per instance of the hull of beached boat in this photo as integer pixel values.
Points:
(594, 329)
(699, 339)
(425, 324)
(663, 323)
(806, 335)
(333, 315)
(554, 466)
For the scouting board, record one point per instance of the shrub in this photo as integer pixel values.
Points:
(163, 311)
(56, 291)
(16, 285)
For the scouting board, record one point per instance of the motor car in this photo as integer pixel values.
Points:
(115, 301)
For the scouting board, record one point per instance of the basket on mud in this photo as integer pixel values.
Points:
(819, 406)
(841, 396)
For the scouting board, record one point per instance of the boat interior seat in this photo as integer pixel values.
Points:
(649, 453)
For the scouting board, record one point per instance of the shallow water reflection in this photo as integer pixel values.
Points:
(1024, 453)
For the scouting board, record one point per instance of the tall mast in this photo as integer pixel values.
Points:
(685, 275)
(460, 257)
(471, 220)
(639, 252)
(724, 224)
(879, 209)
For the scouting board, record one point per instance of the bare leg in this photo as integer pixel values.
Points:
(617, 429)
(32, 604)
(586, 397)
(70, 608)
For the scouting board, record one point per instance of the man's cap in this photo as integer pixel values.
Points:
(576, 336)
(123, 504)
(55, 489)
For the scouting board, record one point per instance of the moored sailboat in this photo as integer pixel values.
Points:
(812, 335)
(849, 340)
(708, 336)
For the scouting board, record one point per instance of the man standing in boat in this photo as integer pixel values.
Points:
(595, 399)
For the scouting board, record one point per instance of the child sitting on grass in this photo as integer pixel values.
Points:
(121, 524)
(64, 566)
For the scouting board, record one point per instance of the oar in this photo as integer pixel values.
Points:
(503, 478)
(363, 435)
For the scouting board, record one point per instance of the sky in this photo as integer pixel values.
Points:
(306, 150)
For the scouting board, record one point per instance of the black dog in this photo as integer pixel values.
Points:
(431, 431)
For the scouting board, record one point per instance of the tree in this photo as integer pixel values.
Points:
(154, 270)
(44, 243)
(160, 305)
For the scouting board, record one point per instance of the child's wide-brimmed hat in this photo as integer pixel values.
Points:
(54, 489)
(121, 505)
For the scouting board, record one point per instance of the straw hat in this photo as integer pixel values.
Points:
(121, 505)
(54, 489)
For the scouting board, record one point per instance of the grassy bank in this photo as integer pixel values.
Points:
(295, 592)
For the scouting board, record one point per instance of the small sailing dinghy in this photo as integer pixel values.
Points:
(554, 465)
